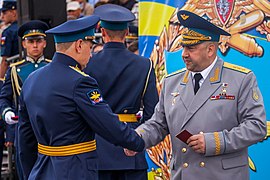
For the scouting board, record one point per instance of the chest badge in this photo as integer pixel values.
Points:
(223, 93)
(174, 94)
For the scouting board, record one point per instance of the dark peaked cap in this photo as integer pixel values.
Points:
(33, 28)
(114, 17)
(9, 5)
(199, 29)
(72, 30)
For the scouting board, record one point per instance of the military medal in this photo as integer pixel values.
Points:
(223, 94)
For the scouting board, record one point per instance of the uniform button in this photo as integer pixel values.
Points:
(201, 132)
(18, 70)
(125, 111)
(36, 65)
(184, 150)
(202, 164)
(185, 165)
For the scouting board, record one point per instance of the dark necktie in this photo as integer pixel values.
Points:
(197, 78)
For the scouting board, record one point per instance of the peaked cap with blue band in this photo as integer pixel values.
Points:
(199, 29)
(9, 5)
(33, 29)
(114, 17)
(72, 30)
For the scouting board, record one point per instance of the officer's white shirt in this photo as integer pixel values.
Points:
(204, 73)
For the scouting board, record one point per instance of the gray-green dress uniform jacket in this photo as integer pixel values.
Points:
(228, 109)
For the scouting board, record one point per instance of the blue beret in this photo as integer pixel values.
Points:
(198, 29)
(33, 29)
(9, 5)
(72, 30)
(114, 17)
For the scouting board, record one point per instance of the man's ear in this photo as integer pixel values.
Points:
(45, 44)
(23, 44)
(211, 49)
(103, 32)
(78, 46)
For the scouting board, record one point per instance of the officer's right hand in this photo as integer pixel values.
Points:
(8, 117)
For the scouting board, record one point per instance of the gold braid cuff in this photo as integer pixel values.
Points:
(217, 142)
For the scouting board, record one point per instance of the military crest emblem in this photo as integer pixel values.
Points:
(224, 9)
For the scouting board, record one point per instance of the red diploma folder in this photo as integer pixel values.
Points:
(184, 135)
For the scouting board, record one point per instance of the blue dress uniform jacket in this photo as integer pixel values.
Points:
(2, 137)
(14, 78)
(126, 81)
(62, 106)
(9, 41)
(228, 109)
(9, 96)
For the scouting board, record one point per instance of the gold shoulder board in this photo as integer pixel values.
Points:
(79, 71)
(236, 67)
(17, 63)
(177, 72)
(48, 60)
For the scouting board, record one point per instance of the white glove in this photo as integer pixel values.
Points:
(8, 116)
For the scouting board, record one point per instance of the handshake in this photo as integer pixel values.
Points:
(129, 152)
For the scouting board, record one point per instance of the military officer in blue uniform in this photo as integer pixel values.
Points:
(126, 82)
(33, 41)
(2, 137)
(218, 103)
(9, 38)
(61, 109)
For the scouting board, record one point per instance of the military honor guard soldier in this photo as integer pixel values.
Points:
(61, 109)
(127, 82)
(33, 41)
(9, 37)
(217, 107)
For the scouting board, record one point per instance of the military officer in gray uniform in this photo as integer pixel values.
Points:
(214, 107)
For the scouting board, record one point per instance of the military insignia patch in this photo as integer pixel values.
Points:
(255, 95)
(95, 96)
(3, 40)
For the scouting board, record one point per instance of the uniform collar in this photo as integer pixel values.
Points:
(14, 23)
(30, 59)
(114, 45)
(65, 59)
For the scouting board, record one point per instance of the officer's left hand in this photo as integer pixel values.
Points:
(197, 143)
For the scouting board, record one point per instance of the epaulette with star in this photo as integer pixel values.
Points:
(176, 72)
(236, 68)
